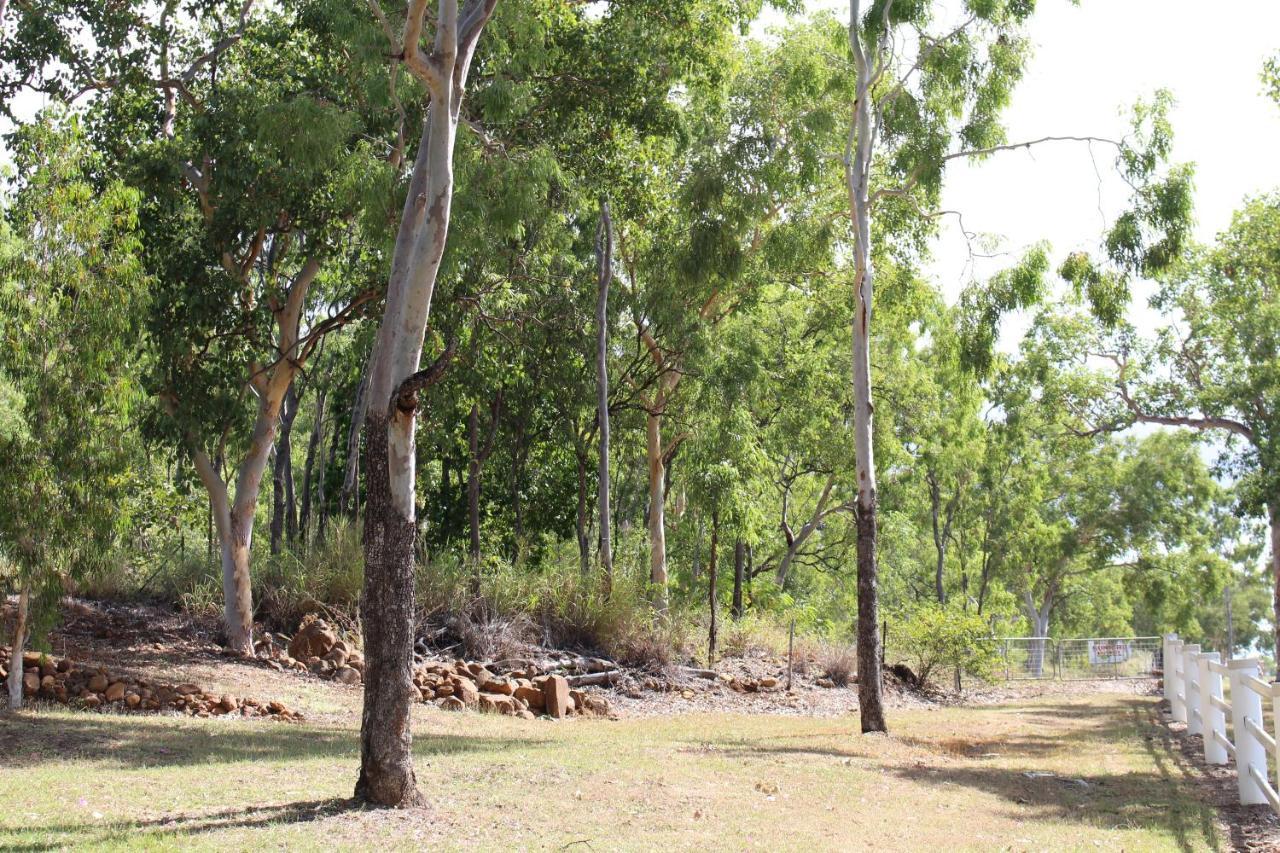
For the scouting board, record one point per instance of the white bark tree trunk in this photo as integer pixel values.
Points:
(657, 510)
(604, 263)
(387, 603)
(857, 162)
(20, 631)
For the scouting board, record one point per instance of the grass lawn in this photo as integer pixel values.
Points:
(1093, 773)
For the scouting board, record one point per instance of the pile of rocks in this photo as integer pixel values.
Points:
(523, 692)
(315, 648)
(62, 680)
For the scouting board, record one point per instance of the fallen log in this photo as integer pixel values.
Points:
(595, 679)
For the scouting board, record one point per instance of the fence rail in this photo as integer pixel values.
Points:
(1193, 685)
(1036, 658)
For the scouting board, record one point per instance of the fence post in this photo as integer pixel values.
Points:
(1191, 679)
(1166, 671)
(1173, 670)
(1249, 752)
(1215, 722)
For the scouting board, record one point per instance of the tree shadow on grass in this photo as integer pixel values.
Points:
(128, 741)
(172, 829)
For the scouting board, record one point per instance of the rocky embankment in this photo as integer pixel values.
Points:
(64, 681)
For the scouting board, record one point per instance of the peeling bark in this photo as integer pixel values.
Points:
(20, 631)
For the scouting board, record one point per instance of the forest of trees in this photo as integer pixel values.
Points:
(605, 295)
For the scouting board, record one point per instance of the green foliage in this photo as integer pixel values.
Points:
(934, 636)
(71, 296)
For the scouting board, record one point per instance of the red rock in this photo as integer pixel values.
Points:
(555, 694)
(532, 696)
(451, 703)
(346, 675)
(115, 692)
(99, 682)
(31, 683)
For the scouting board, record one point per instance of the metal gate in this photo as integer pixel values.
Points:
(1036, 658)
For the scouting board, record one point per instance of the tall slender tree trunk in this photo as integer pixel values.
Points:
(739, 574)
(284, 519)
(584, 546)
(21, 629)
(857, 163)
(348, 498)
(387, 602)
(1274, 517)
(308, 470)
(473, 482)
(657, 500)
(712, 596)
(322, 501)
(604, 264)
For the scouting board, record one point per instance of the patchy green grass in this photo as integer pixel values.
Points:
(947, 779)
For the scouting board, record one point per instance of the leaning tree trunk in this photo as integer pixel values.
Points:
(858, 178)
(387, 602)
(19, 647)
(604, 263)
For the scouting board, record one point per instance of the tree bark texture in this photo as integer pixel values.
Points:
(21, 629)
(284, 518)
(857, 162)
(387, 608)
(387, 602)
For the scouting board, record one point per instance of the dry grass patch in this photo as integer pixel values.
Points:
(1057, 774)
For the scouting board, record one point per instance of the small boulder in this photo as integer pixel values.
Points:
(496, 703)
(465, 689)
(768, 683)
(555, 694)
(452, 703)
(228, 703)
(99, 682)
(499, 685)
(314, 639)
(115, 692)
(132, 700)
(31, 683)
(531, 696)
(184, 689)
(346, 675)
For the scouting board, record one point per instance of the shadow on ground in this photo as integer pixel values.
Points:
(28, 740)
(173, 828)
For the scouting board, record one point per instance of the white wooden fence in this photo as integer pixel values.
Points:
(1193, 686)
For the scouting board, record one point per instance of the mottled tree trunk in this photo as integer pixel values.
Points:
(657, 514)
(21, 629)
(387, 608)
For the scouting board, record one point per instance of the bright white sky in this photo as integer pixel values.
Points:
(1091, 63)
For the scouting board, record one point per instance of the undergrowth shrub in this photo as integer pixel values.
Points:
(936, 637)
(838, 662)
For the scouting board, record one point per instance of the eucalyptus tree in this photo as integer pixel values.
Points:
(1212, 366)
(257, 136)
(72, 294)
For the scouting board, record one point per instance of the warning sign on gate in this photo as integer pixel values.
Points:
(1108, 651)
